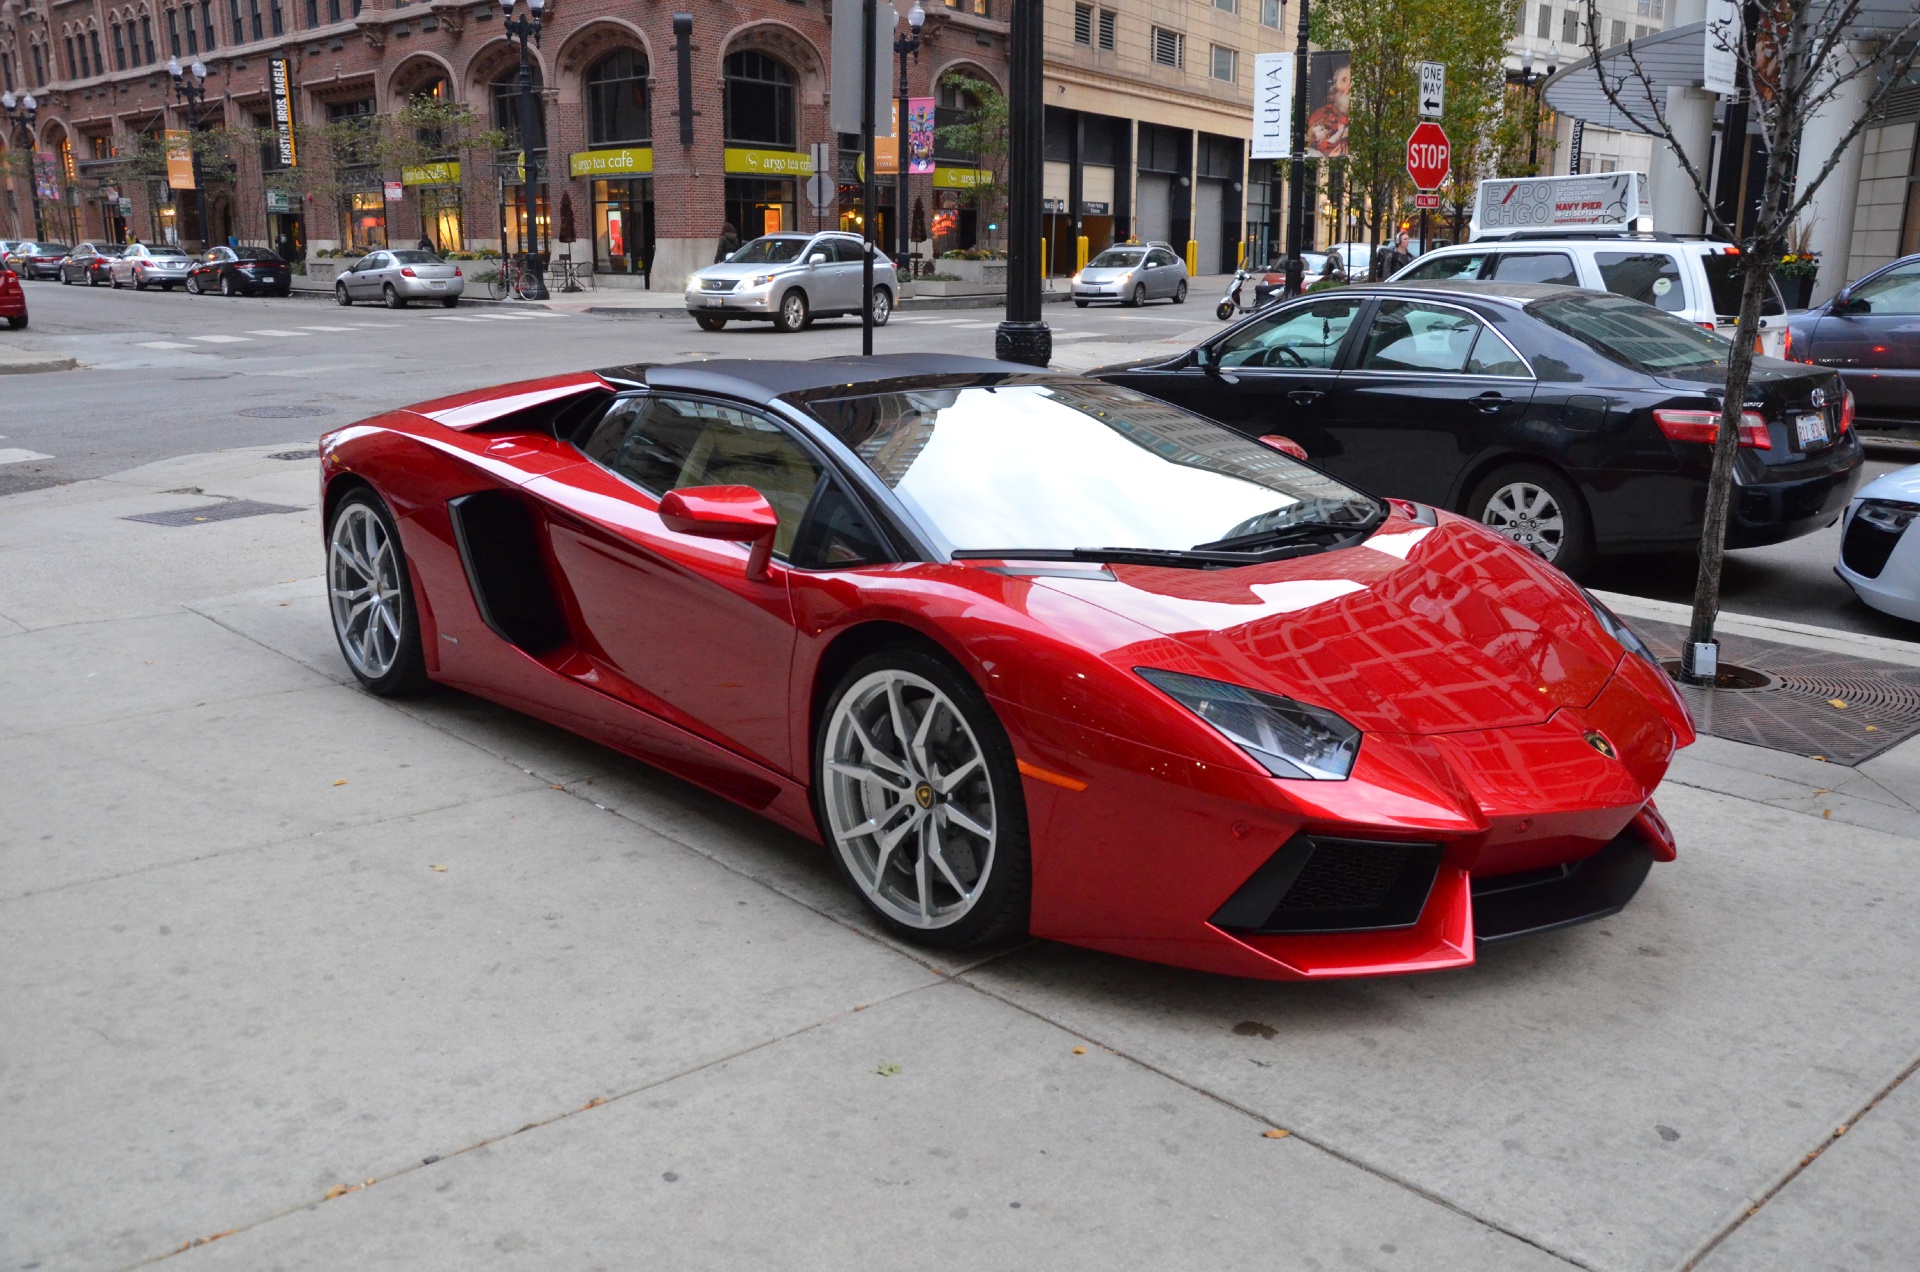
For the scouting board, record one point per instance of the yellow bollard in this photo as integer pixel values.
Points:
(1240, 262)
(1193, 258)
(1080, 254)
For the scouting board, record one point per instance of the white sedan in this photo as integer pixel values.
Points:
(1879, 547)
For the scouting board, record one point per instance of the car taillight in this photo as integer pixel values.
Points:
(1846, 414)
(1704, 426)
(1786, 346)
(407, 272)
(456, 271)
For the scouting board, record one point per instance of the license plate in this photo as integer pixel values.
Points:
(714, 302)
(441, 286)
(1811, 430)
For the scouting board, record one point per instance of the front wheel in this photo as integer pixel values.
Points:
(1539, 510)
(707, 322)
(340, 296)
(918, 795)
(792, 314)
(370, 596)
(1079, 304)
(882, 306)
(1139, 296)
(1224, 310)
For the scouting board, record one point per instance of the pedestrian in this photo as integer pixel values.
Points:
(729, 243)
(426, 245)
(1402, 254)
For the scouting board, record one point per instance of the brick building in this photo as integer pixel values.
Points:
(609, 92)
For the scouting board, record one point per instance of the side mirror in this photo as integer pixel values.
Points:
(739, 513)
(1844, 303)
(818, 258)
(1285, 445)
(729, 256)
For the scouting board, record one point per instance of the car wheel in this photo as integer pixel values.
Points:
(882, 306)
(1080, 304)
(93, 279)
(64, 280)
(193, 285)
(1180, 293)
(393, 298)
(340, 296)
(17, 322)
(1538, 509)
(113, 282)
(918, 795)
(371, 598)
(793, 313)
(448, 302)
(1139, 296)
(139, 283)
(226, 285)
(707, 322)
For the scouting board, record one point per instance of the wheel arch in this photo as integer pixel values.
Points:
(1474, 473)
(856, 642)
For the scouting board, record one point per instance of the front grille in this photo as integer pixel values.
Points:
(1317, 883)
(719, 284)
(1346, 876)
(1866, 547)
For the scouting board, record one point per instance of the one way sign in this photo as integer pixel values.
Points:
(1433, 90)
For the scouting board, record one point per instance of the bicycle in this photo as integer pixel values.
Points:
(512, 281)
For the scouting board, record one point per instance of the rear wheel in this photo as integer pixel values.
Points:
(393, 298)
(707, 322)
(793, 313)
(1180, 293)
(340, 296)
(448, 302)
(193, 285)
(17, 322)
(370, 596)
(918, 794)
(1539, 510)
(882, 306)
(226, 285)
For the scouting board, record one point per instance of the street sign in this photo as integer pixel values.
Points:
(820, 186)
(1424, 200)
(1429, 156)
(1433, 90)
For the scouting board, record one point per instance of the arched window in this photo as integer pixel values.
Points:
(119, 46)
(759, 108)
(506, 109)
(617, 107)
(99, 61)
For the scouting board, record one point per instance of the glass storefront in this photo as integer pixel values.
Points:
(756, 206)
(623, 226)
(366, 220)
(513, 220)
(440, 218)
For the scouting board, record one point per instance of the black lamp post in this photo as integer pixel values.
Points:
(902, 46)
(190, 87)
(1024, 336)
(20, 115)
(525, 29)
(1532, 83)
(1298, 209)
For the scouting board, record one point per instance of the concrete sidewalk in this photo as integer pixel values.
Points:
(346, 983)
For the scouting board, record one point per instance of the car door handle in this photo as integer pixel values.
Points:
(1305, 397)
(1490, 403)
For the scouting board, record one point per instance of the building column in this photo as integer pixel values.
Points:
(1677, 208)
(1830, 212)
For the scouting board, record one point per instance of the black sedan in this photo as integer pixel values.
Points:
(240, 271)
(1576, 423)
(90, 263)
(1870, 334)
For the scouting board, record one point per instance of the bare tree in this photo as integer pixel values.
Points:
(1794, 57)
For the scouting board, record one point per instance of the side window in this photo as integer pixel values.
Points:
(1650, 277)
(1409, 336)
(1307, 337)
(1494, 356)
(1895, 292)
(664, 443)
(1464, 265)
(837, 533)
(1160, 256)
(1535, 267)
(848, 251)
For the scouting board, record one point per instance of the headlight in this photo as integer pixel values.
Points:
(1891, 515)
(1290, 739)
(1075, 280)
(760, 280)
(1617, 629)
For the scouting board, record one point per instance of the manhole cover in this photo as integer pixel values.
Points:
(285, 412)
(231, 510)
(299, 454)
(1805, 701)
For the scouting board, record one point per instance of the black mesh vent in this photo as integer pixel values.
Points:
(1866, 548)
(1320, 884)
(1346, 876)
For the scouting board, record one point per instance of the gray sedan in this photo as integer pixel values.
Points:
(143, 265)
(399, 276)
(1132, 274)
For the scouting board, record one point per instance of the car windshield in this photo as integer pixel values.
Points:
(1058, 467)
(165, 251)
(772, 250)
(1118, 258)
(1632, 334)
(260, 254)
(1723, 281)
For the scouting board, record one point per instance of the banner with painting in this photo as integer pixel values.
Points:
(1329, 101)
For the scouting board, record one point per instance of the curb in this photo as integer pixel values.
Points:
(20, 362)
(1805, 635)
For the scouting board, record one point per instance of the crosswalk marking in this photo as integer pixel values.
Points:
(270, 331)
(326, 328)
(14, 455)
(450, 318)
(163, 344)
(221, 339)
(509, 317)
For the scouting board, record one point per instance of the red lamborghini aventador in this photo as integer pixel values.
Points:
(1025, 652)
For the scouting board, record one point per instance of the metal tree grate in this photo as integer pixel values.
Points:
(231, 510)
(1795, 712)
(295, 454)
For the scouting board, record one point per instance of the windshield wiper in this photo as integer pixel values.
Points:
(1289, 533)
(1177, 558)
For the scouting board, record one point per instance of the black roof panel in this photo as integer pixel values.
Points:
(762, 380)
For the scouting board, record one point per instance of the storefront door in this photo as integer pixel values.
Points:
(623, 226)
(757, 206)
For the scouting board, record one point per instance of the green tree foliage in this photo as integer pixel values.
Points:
(982, 134)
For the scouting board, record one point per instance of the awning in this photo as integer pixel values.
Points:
(1663, 60)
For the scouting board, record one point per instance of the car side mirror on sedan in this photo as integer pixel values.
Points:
(739, 513)
(1845, 303)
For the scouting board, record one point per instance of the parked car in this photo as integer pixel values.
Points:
(1693, 279)
(37, 259)
(1275, 728)
(234, 271)
(145, 265)
(1132, 274)
(90, 263)
(1272, 285)
(1879, 546)
(1870, 334)
(791, 279)
(399, 276)
(1575, 423)
(13, 299)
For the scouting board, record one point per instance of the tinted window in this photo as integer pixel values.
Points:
(1652, 278)
(1723, 284)
(661, 444)
(837, 533)
(1066, 465)
(849, 251)
(773, 250)
(1117, 258)
(1535, 267)
(110, 251)
(1465, 265)
(55, 249)
(1494, 356)
(1409, 336)
(1632, 334)
(1307, 337)
(1895, 292)
(1160, 257)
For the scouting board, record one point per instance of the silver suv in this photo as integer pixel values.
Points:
(791, 279)
(1694, 279)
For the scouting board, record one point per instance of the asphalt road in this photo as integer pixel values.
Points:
(165, 374)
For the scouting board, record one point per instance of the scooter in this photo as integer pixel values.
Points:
(1230, 304)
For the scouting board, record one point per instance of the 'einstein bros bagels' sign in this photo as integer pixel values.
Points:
(627, 161)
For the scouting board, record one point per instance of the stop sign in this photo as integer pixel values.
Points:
(1429, 156)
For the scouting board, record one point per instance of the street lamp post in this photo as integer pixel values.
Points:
(190, 87)
(1532, 84)
(525, 29)
(1024, 336)
(1297, 192)
(902, 46)
(20, 114)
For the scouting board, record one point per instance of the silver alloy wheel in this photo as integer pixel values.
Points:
(882, 306)
(793, 310)
(363, 581)
(909, 800)
(1530, 516)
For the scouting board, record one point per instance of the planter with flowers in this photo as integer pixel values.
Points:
(1796, 273)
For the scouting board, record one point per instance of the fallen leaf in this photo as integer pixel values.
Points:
(440, 869)
(1826, 812)
(1840, 1130)
(1838, 704)
(1079, 1051)
(339, 781)
(1822, 790)
(887, 1069)
(594, 1103)
(338, 1190)
(555, 786)
(1276, 1133)
(1873, 728)
(1821, 758)
(368, 1184)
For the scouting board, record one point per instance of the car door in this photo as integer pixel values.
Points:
(1419, 397)
(363, 284)
(1874, 342)
(673, 618)
(1159, 277)
(849, 273)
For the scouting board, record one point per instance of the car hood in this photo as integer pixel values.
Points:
(1107, 273)
(1418, 631)
(1902, 484)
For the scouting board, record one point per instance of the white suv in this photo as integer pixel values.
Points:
(1694, 279)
